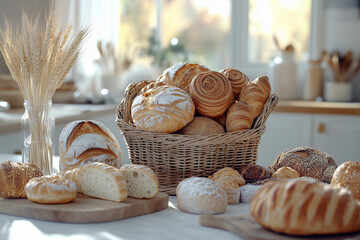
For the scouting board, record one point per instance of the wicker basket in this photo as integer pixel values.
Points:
(174, 157)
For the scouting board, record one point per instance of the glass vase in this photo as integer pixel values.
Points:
(37, 128)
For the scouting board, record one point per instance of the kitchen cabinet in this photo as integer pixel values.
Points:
(336, 134)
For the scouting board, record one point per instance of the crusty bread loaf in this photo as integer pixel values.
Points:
(202, 126)
(51, 189)
(14, 176)
(141, 181)
(304, 207)
(230, 181)
(87, 141)
(237, 79)
(212, 94)
(162, 109)
(101, 181)
(285, 172)
(181, 74)
(255, 93)
(347, 175)
(238, 117)
(308, 162)
(200, 195)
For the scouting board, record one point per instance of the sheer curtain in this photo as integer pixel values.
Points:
(103, 19)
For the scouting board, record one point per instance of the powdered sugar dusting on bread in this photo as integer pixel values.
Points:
(173, 69)
(247, 192)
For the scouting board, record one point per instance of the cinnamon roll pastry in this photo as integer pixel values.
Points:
(237, 79)
(181, 74)
(238, 117)
(255, 93)
(211, 93)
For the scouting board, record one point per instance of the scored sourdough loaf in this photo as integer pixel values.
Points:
(51, 189)
(305, 207)
(87, 141)
(14, 176)
(141, 181)
(101, 181)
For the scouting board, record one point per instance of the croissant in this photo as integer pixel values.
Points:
(181, 74)
(255, 94)
(14, 177)
(238, 117)
(211, 93)
(237, 79)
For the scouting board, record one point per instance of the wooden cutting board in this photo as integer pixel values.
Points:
(84, 209)
(246, 227)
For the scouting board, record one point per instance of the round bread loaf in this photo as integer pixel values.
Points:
(203, 126)
(308, 162)
(230, 181)
(304, 207)
(181, 74)
(285, 172)
(212, 94)
(201, 196)
(86, 141)
(162, 109)
(51, 190)
(237, 79)
(347, 175)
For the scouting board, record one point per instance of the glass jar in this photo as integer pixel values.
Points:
(283, 75)
(37, 129)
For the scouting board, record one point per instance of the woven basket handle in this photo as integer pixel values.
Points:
(269, 106)
(124, 108)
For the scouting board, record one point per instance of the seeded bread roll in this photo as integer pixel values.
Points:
(162, 109)
(51, 189)
(308, 162)
(303, 207)
(101, 181)
(14, 176)
(87, 141)
(203, 126)
(347, 175)
(141, 181)
(200, 195)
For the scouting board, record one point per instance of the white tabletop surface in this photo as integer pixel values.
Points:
(168, 224)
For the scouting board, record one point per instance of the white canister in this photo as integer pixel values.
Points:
(338, 91)
(283, 75)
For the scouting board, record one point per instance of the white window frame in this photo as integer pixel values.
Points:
(240, 36)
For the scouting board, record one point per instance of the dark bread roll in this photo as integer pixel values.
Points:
(308, 162)
(256, 172)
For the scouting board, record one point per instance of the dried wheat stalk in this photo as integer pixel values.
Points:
(39, 56)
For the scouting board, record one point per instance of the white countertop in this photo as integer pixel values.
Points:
(170, 223)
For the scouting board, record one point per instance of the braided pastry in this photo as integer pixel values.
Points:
(238, 117)
(211, 93)
(14, 176)
(237, 79)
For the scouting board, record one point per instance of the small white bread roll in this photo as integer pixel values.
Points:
(101, 181)
(86, 141)
(51, 190)
(200, 195)
(347, 175)
(162, 109)
(141, 180)
(305, 207)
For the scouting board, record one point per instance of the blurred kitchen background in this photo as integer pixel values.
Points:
(310, 49)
